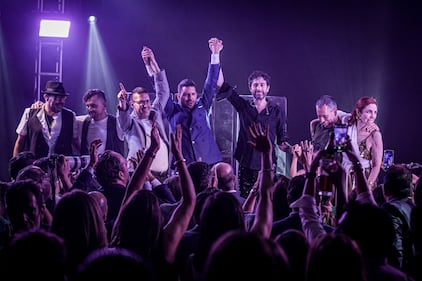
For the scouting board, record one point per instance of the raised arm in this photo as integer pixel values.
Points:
(298, 156)
(123, 114)
(63, 173)
(311, 221)
(141, 172)
(249, 204)
(161, 85)
(210, 87)
(85, 179)
(362, 187)
(149, 60)
(264, 210)
(179, 221)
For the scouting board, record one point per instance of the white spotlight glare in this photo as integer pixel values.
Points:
(54, 28)
(92, 19)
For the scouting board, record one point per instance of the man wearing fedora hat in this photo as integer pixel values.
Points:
(50, 128)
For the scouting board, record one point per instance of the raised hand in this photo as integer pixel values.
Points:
(122, 97)
(307, 149)
(62, 167)
(136, 160)
(37, 104)
(63, 173)
(176, 143)
(93, 152)
(286, 147)
(216, 45)
(260, 138)
(149, 59)
(147, 55)
(297, 151)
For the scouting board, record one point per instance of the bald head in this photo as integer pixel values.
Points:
(224, 176)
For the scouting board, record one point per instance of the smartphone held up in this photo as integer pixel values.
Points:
(387, 159)
(340, 137)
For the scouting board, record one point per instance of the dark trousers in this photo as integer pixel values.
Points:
(247, 179)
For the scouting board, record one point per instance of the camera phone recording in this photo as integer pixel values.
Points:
(340, 137)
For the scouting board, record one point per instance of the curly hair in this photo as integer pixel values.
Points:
(256, 74)
(107, 168)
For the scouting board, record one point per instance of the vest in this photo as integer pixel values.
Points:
(112, 140)
(36, 142)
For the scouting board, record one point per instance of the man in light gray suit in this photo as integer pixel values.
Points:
(136, 124)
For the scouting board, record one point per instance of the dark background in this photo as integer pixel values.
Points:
(344, 48)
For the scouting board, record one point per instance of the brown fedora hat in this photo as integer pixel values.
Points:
(54, 88)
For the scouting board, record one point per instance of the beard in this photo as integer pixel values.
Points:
(57, 108)
(259, 96)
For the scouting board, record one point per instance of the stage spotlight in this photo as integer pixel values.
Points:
(92, 19)
(54, 28)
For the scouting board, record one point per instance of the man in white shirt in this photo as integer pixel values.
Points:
(98, 124)
(136, 125)
(49, 128)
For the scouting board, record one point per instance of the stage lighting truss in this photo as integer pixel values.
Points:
(53, 29)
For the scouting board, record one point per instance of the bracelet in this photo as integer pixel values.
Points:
(179, 161)
(151, 154)
(310, 175)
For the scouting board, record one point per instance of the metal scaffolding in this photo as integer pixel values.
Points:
(49, 59)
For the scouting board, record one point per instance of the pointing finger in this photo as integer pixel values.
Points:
(122, 87)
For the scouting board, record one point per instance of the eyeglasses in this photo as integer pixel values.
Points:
(142, 102)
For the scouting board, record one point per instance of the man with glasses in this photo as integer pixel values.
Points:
(137, 124)
(50, 128)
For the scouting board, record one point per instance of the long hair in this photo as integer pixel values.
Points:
(18, 204)
(107, 168)
(335, 250)
(241, 255)
(78, 220)
(139, 225)
(221, 213)
(360, 105)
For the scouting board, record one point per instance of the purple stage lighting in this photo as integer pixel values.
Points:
(54, 28)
